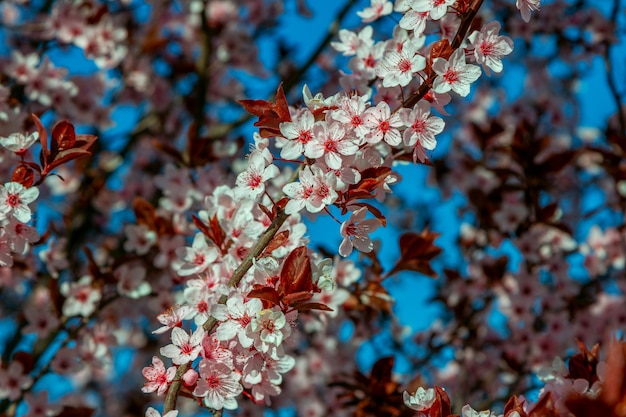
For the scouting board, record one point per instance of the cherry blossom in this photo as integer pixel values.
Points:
(151, 412)
(14, 200)
(331, 142)
(421, 400)
(436, 8)
(422, 127)
(252, 181)
(298, 132)
(81, 297)
(13, 380)
(490, 47)
(197, 258)
(18, 142)
(383, 125)
(218, 385)
(184, 347)
(454, 74)
(355, 232)
(527, 6)
(377, 9)
(235, 316)
(158, 378)
(399, 67)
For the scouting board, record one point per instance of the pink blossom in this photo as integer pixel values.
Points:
(355, 232)
(18, 142)
(197, 258)
(382, 124)
(377, 9)
(81, 297)
(158, 378)
(184, 347)
(14, 200)
(526, 6)
(454, 74)
(298, 133)
(399, 67)
(422, 127)
(219, 385)
(151, 412)
(436, 8)
(235, 317)
(421, 400)
(351, 42)
(13, 381)
(331, 142)
(490, 47)
(251, 182)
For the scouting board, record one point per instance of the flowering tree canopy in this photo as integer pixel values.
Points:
(164, 166)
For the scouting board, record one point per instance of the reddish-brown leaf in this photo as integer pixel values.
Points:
(311, 306)
(377, 213)
(24, 175)
(296, 297)
(63, 136)
(296, 275)
(144, 212)
(278, 241)
(43, 138)
(270, 115)
(544, 407)
(514, 404)
(63, 157)
(583, 364)
(213, 231)
(267, 294)
(416, 253)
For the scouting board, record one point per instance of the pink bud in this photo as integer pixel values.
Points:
(190, 377)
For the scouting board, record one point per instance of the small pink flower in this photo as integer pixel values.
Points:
(355, 232)
(158, 378)
(18, 142)
(14, 200)
(185, 348)
(454, 74)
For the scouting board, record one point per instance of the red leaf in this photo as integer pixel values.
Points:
(514, 404)
(84, 142)
(43, 139)
(296, 298)
(311, 306)
(377, 213)
(270, 115)
(371, 178)
(144, 212)
(544, 407)
(213, 231)
(417, 250)
(64, 157)
(24, 175)
(296, 275)
(63, 136)
(267, 294)
(278, 241)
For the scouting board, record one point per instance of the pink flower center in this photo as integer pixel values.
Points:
(199, 259)
(419, 126)
(330, 146)
(369, 62)
(438, 2)
(186, 349)
(451, 76)
(254, 180)
(405, 65)
(13, 200)
(356, 120)
(486, 48)
(244, 321)
(305, 136)
(384, 126)
(203, 306)
(213, 382)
